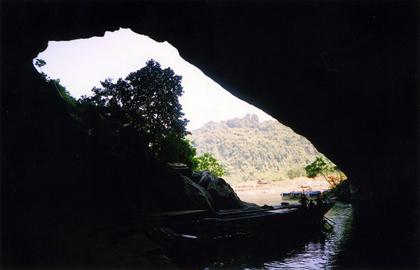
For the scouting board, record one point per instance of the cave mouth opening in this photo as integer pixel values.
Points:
(260, 157)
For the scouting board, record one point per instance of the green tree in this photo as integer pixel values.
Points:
(147, 97)
(209, 163)
(177, 150)
(324, 168)
(319, 166)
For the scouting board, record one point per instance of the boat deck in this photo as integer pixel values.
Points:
(250, 215)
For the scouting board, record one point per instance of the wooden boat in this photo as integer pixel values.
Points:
(199, 230)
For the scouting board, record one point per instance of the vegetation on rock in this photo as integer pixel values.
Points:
(147, 101)
(331, 173)
(207, 162)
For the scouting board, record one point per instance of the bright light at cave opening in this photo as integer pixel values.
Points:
(81, 64)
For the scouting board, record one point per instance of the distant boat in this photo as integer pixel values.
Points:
(313, 194)
(296, 195)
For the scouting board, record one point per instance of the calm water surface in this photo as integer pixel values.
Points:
(318, 252)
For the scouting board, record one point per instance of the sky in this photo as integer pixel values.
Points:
(81, 64)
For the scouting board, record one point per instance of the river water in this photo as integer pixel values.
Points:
(319, 252)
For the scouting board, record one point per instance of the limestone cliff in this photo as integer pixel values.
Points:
(254, 150)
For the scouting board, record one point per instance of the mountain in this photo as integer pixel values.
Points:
(254, 150)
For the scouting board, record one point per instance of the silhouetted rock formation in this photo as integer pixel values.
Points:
(199, 195)
(220, 193)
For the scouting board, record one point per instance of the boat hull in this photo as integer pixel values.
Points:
(223, 233)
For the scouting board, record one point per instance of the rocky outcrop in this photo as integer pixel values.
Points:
(218, 192)
(199, 196)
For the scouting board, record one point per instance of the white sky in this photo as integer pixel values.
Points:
(81, 64)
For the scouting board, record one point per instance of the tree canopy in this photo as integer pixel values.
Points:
(326, 169)
(319, 166)
(177, 150)
(148, 98)
(209, 163)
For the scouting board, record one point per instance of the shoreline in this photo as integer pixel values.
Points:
(269, 192)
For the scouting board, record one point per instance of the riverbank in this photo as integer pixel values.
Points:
(269, 192)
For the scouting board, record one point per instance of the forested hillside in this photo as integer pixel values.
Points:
(253, 150)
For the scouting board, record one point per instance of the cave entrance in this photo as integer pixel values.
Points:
(260, 157)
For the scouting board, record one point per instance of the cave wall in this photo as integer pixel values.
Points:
(343, 75)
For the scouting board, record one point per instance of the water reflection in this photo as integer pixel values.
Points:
(317, 252)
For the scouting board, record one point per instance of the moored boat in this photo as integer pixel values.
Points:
(296, 195)
(196, 231)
